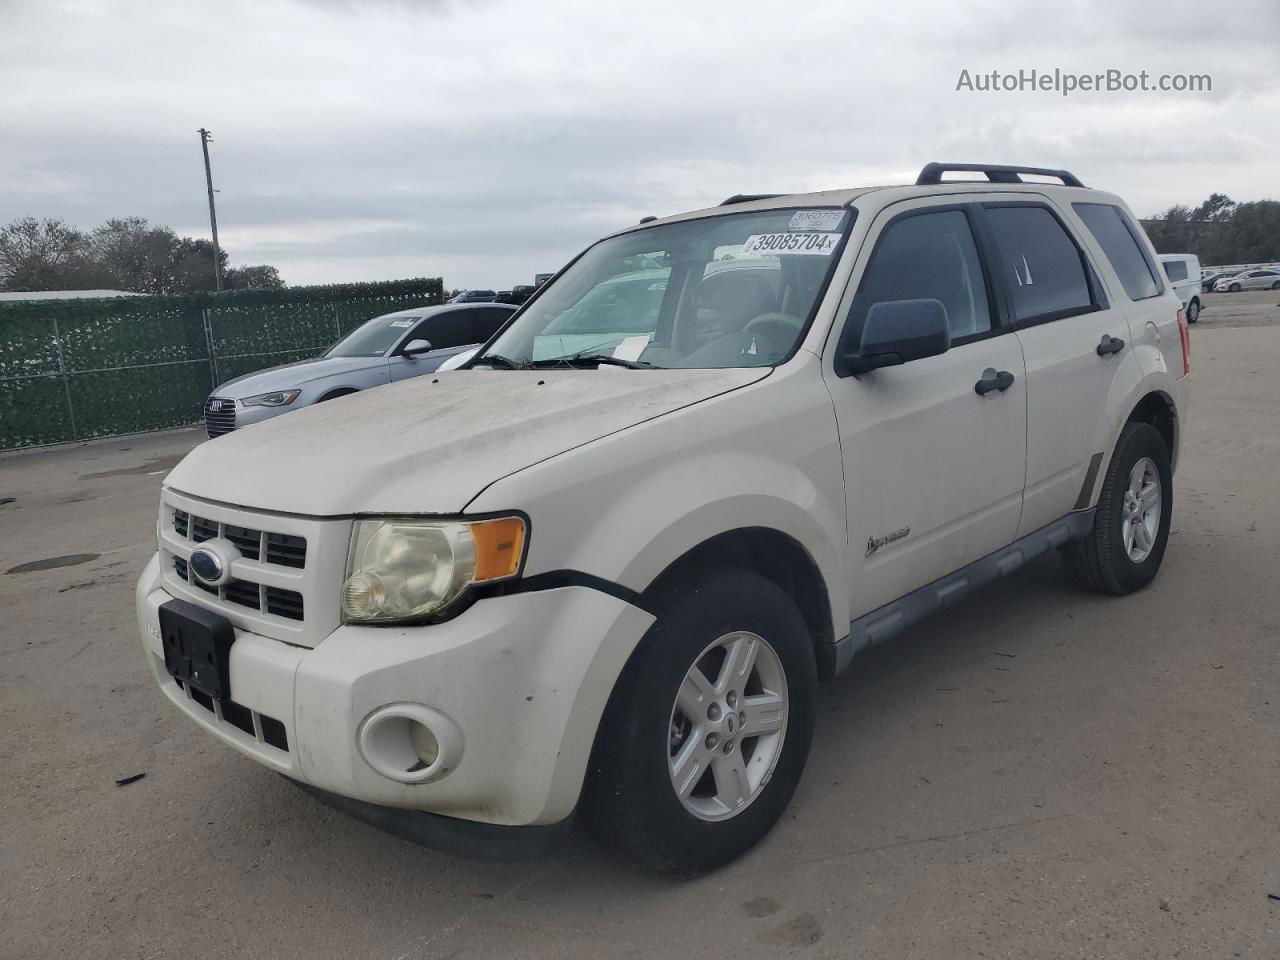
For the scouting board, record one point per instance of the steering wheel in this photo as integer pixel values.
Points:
(781, 326)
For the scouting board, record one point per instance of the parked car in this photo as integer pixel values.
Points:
(475, 296)
(517, 294)
(1250, 280)
(608, 578)
(1209, 281)
(1183, 271)
(395, 346)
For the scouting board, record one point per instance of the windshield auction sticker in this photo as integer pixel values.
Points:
(823, 220)
(775, 244)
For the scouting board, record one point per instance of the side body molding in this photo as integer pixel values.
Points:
(894, 617)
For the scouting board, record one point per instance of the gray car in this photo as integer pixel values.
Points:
(395, 346)
(1249, 280)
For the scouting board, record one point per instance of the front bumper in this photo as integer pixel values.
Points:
(522, 678)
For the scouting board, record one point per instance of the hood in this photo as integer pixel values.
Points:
(289, 375)
(430, 444)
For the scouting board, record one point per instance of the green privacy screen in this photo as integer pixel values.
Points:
(78, 369)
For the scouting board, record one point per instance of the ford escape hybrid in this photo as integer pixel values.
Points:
(599, 572)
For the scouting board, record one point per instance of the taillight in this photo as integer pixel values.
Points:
(1184, 334)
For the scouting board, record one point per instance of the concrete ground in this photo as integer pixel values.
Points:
(1039, 773)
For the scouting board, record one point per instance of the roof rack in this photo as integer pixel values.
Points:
(748, 197)
(996, 173)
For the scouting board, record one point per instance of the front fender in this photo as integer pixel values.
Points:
(626, 506)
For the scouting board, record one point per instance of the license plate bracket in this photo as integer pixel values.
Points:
(197, 647)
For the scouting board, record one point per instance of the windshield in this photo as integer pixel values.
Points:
(372, 339)
(734, 290)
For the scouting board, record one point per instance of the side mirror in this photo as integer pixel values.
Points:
(896, 332)
(415, 347)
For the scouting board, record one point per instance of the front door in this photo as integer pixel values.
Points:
(933, 467)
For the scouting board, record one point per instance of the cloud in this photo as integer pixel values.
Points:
(489, 139)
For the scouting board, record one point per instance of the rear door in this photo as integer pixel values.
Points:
(1073, 341)
(933, 469)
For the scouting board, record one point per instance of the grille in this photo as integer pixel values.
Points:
(273, 600)
(282, 549)
(219, 416)
(269, 730)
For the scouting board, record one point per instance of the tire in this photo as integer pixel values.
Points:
(1234, 288)
(1276, 285)
(631, 801)
(336, 394)
(1193, 310)
(1101, 561)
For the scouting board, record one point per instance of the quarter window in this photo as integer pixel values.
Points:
(1115, 235)
(1046, 271)
(1175, 270)
(926, 256)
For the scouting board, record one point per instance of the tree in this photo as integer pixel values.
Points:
(45, 255)
(125, 253)
(1219, 231)
(138, 256)
(261, 277)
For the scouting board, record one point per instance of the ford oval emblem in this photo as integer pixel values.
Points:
(207, 566)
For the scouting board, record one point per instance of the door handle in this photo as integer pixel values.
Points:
(1110, 344)
(991, 380)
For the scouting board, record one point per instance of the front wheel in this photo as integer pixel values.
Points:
(708, 730)
(1124, 550)
(1234, 288)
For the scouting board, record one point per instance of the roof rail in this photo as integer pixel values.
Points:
(748, 197)
(996, 173)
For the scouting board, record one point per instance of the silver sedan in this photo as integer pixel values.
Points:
(1249, 280)
(395, 346)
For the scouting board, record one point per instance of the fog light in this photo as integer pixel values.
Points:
(410, 742)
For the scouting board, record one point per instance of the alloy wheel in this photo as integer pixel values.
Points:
(1140, 517)
(728, 725)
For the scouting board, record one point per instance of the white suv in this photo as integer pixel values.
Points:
(603, 574)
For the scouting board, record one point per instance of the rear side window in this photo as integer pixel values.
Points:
(926, 256)
(1115, 235)
(1046, 270)
(486, 322)
(444, 330)
(1175, 270)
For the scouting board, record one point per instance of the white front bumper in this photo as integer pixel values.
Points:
(524, 677)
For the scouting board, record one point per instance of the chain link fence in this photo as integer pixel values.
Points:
(79, 369)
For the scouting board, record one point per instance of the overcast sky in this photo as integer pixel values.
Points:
(486, 140)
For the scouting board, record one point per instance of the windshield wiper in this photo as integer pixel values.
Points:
(590, 360)
(498, 360)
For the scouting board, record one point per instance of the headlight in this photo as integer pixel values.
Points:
(280, 398)
(407, 569)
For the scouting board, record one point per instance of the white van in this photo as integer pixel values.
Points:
(1183, 271)
(601, 570)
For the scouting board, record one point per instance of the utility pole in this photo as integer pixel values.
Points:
(213, 216)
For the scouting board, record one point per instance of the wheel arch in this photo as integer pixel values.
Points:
(775, 555)
(334, 392)
(1159, 410)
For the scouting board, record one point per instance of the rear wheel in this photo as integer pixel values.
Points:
(1124, 550)
(1193, 311)
(708, 730)
(1276, 285)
